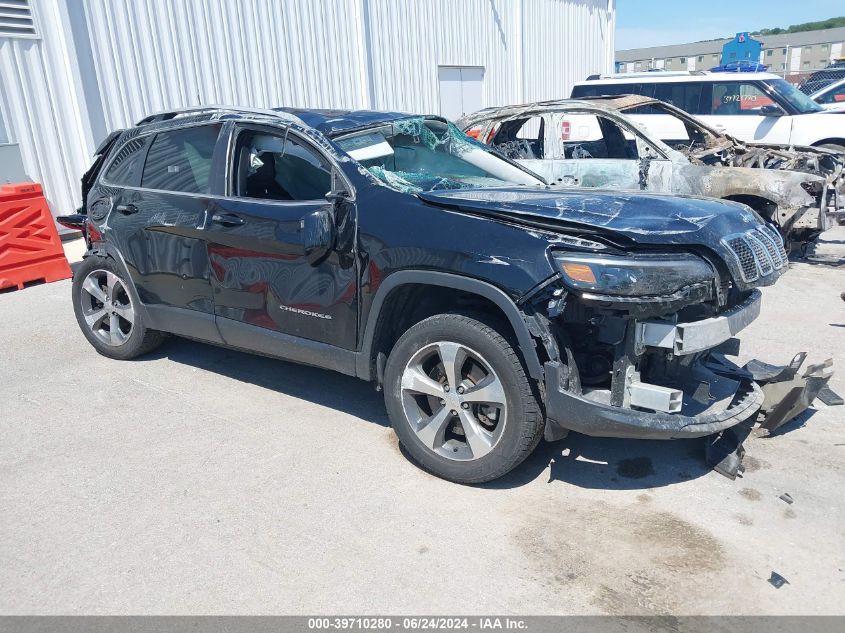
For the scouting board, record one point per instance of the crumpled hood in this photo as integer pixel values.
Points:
(645, 218)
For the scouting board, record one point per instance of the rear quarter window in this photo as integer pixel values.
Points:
(180, 160)
(124, 167)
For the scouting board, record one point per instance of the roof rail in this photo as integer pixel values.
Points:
(648, 73)
(167, 115)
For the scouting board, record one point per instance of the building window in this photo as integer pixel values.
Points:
(16, 19)
(806, 64)
(769, 52)
(683, 60)
(784, 51)
(824, 47)
(701, 58)
(808, 48)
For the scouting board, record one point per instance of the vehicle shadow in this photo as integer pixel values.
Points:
(320, 386)
(610, 463)
(586, 462)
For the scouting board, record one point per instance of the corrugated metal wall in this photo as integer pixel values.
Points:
(41, 108)
(104, 64)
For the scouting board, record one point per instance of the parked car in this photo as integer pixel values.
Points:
(490, 308)
(832, 96)
(598, 143)
(822, 78)
(758, 107)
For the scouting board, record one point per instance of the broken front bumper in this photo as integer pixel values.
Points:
(697, 336)
(707, 395)
(698, 416)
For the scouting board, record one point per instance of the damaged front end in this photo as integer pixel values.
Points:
(636, 347)
(803, 221)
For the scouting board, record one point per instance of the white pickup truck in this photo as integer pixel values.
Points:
(753, 107)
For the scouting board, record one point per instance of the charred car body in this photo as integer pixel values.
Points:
(598, 143)
(491, 308)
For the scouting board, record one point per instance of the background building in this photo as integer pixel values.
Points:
(788, 54)
(741, 47)
(72, 70)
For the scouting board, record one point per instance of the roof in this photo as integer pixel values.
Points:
(676, 77)
(334, 122)
(692, 49)
(606, 103)
(329, 122)
(674, 50)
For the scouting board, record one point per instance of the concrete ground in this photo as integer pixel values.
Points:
(204, 481)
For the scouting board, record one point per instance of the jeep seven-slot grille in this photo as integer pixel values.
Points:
(759, 252)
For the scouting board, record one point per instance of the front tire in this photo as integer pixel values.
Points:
(109, 312)
(459, 399)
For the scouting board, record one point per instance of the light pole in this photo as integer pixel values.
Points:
(786, 62)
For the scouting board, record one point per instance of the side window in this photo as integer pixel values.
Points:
(181, 160)
(837, 95)
(732, 98)
(272, 167)
(125, 164)
(521, 139)
(585, 136)
(684, 96)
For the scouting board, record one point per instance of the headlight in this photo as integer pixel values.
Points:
(643, 275)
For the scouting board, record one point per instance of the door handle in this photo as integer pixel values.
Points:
(227, 219)
(126, 209)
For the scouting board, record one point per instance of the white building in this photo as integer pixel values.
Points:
(73, 70)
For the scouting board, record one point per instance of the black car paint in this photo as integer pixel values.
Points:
(231, 284)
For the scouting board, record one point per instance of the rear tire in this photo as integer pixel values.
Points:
(473, 431)
(109, 312)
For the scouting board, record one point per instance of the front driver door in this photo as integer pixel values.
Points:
(737, 109)
(264, 283)
(590, 150)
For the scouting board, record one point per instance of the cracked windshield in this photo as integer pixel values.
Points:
(417, 154)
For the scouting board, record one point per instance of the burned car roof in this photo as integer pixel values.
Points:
(335, 122)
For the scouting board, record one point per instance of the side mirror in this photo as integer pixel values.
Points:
(318, 235)
(771, 110)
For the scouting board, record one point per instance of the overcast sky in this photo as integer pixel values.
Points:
(641, 23)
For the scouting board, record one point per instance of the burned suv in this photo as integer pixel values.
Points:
(490, 308)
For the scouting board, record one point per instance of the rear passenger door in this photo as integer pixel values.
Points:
(736, 107)
(265, 282)
(158, 224)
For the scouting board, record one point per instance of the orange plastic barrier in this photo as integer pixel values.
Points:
(30, 249)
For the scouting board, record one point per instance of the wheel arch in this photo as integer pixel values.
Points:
(831, 141)
(366, 362)
(104, 249)
(763, 205)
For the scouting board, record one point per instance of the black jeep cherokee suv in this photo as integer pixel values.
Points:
(394, 248)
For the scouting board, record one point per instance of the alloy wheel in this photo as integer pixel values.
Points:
(454, 401)
(107, 307)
